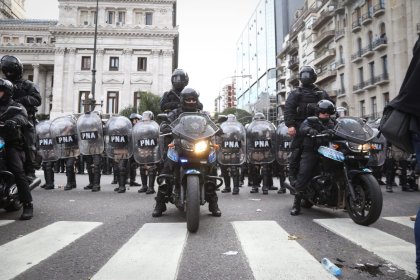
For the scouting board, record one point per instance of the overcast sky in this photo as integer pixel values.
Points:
(208, 31)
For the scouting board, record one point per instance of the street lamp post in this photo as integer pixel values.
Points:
(94, 53)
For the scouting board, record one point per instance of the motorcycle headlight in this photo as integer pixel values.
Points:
(364, 148)
(358, 147)
(201, 147)
(187, 145)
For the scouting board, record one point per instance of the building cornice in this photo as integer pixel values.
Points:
(22, 49)
(122, 1)
(115, 32)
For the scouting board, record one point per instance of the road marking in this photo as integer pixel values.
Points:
(5, 222)
(29, 250)
(401, 220)
(388, 247)
(154, 252)
(271, 255)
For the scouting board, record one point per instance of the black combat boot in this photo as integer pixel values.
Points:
(143, 177)
(151, 188)
(296, 205)
(265, 189)
(96, 182)
(389, 188)
(254, 189)
(160, 206)
(213, 206)
(283, 187)
(49, 179)
(28, 211)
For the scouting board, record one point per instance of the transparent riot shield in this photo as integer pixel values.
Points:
(64, 132)
(146, 142)
(232, 144)
(283, 142)
(118, 138)
(90, 134)
(260, 142)
(378, 150)
(46, 142)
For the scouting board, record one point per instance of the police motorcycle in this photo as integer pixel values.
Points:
(147, 145)
(260, 146)
(64, 136)
(194, 151)
(343, 181)
(9, 198)
(232, 147)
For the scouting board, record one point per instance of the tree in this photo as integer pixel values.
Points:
(241, 115)
(148, 102)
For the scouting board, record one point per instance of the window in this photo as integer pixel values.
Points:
(372, 71)
(121, 17)
(385, 64)
(15, 40)
(137, 98)
(149, 18)
(138, 18)
(112, 102)
(386, 99)
(374, 108)
(6, 39)
(86, 62)
(342, 87)
(362, 108)
(82, 94)
(361, 75)
(111, 17)
(93, 17)
(84, 17)
(38, 40)
(114, 63)
(142, 64)
(30, 40)
(31, 78)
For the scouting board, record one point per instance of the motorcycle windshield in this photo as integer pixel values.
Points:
(354, 129)
(194, 126)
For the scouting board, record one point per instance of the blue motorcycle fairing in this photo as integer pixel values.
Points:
(331, 153)
(192, 171)
(173, 155)
(212, 157)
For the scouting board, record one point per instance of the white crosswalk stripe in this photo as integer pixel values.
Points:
(29, 250)
(5, 222)
(405, 220)
(388, 247)
(153, 242)
(292, 260)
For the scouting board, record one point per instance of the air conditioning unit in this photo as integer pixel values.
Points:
(119, 23)
(85, 22)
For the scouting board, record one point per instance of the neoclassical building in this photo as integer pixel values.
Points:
(137, 50)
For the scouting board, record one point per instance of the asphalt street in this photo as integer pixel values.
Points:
(101, 235)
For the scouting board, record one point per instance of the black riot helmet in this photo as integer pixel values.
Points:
(325, 106)
(179, 80)
(307, 75)
(6, 87)
(258, 117)
(12, 67)
(189, 100)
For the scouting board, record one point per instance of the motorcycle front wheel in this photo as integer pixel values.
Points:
(193, 203)
(367, 207)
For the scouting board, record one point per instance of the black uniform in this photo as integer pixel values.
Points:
(171, 101)
(300, 104)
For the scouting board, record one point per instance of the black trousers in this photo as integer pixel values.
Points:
(93, 164)
(70, 173)
(47, 166)
(15, 160)
(295, 154)
(308, 164)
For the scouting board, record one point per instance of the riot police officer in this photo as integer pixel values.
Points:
(26, 93)
(171, 99)
(134, 118)
(189, 103)
(14, 145)
(300, 104)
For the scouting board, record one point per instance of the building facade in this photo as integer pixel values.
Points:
(226, 99)
(136, 52)
(12, 9)
(256, 55)
(360, 49)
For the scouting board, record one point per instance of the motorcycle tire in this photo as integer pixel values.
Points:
(193, 203)
(13, 206)
(306, 204)
(368, 205)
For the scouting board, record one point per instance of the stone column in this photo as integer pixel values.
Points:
(36, 73)
(42, 90)
(71, 99)
(165, 72)
(155, 66)
(99, 78)
(57, 108)
(48, 91)
(126, 96)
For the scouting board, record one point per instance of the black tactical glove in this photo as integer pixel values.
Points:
(11, 124)
(312, 132)
(329, 132)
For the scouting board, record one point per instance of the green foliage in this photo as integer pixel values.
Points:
(42, 117)
(241, 115)
(148, 102)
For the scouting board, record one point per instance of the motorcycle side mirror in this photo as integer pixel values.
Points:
(10, 112)
(221, 119)
(162, 117)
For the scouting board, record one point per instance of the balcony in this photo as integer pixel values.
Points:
(357, 56)
(293, 80)
(379, 44)
(339, 34)
(324, 55)
(340, 8)
(324, 37)
(322, 20)
(339, 63)
(379, 9)
(281, 78)
(294, 48)
(356, 26)
(369, 84)
(367, 18)
(358, 88)
(326, 75)
(382, 79)
(368, 51)
(341, 92)
(293, 63)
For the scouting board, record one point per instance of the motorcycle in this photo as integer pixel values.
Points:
(343, 181)
(195, 154)
(9, 198)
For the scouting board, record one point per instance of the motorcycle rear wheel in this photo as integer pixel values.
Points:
(193, 203)
(368, 205)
